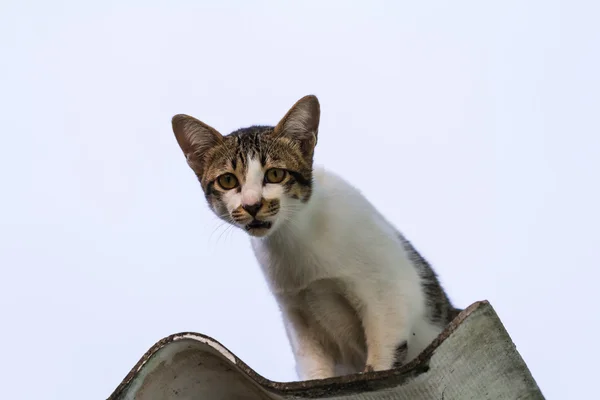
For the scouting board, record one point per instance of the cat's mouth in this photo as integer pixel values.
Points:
(258, 225)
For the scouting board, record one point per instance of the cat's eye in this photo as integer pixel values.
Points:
(275, 175)
(228, 181)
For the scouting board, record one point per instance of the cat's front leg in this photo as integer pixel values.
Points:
(386, 333)
(313, 361)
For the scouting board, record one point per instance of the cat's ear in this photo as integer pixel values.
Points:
(195, 139)
(301, 123)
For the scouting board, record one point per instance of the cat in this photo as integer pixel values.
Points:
(354, 294)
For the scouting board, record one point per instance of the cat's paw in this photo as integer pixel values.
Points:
(319, 374)
(379, 364)
(369, 368)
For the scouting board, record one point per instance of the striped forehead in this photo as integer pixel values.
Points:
(257, 143)
(249, 144)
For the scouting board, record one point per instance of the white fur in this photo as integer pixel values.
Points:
(252, 188)
(347, 291)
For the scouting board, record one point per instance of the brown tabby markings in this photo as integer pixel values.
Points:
(248, 153)
(272, 151)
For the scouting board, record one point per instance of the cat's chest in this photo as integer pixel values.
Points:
(292, 268)
(330, 310)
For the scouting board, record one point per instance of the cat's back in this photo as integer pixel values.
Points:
(337, 233)
(332, 185)
(341, 233)
(346, 209)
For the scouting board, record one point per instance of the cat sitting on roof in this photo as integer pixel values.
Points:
(354, 294)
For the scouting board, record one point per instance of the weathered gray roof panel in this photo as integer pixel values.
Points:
(473, 358)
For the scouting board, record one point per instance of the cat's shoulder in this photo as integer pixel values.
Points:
(329, 182)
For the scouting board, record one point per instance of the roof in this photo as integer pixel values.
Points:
(473, 358)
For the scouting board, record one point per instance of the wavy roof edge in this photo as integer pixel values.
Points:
(474, 357)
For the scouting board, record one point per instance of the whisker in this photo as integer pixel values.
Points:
(221, 225)
(226, 230)
(230, 233)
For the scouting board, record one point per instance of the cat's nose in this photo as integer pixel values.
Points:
(252, 209)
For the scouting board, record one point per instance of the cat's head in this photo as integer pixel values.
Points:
(256, 178)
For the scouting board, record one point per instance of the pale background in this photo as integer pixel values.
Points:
(472, 125)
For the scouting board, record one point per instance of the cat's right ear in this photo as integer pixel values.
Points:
(195, 139)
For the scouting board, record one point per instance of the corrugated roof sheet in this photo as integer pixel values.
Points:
(473, 358)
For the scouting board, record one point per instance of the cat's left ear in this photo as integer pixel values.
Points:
(301, 123)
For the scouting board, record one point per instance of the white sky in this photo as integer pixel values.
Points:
(473, 127)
